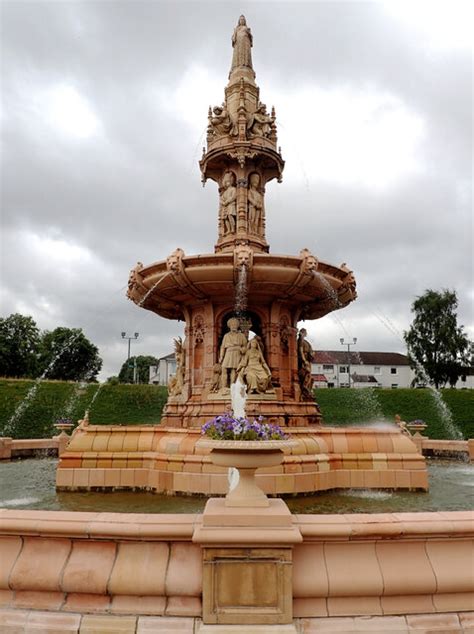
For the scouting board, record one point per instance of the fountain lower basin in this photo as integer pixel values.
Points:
(169, 460)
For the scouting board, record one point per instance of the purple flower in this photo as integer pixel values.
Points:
(227, 427)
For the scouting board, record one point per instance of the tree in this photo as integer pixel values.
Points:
(126, 374)
(68, 355)
(19, 346)
(438, 349)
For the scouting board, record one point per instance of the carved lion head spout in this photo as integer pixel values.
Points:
(242, 256)
(134, 278)
(310, 262)
(174, 261)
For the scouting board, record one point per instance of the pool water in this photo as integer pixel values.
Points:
(30, 484)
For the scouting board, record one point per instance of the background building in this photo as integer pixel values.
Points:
(160, 374)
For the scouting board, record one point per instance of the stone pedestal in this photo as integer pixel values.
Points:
(247, 564)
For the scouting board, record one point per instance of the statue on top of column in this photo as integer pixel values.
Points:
(242, 42)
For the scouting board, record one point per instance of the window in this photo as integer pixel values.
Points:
(394, 386)
(393, 371)
(328, 368)
(377, 369)
(330, 384)
(343, 369)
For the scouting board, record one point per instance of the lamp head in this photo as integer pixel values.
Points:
(136, 335)
(341, 340)
(123, 335)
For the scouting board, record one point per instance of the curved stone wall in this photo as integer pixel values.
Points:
(147, 564)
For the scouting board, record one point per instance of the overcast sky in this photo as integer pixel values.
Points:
(104, 112)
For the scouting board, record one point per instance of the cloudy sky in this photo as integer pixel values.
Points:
(104, 111)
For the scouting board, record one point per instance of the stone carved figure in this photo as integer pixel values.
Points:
(216, 378)
(260, 122)
(233, 346)
(229, 203)
(253, 369)
(175, 386)
(242, 42)
(255, 202)
(305, 356)
(220, 122)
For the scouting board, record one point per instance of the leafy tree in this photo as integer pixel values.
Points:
(68, 355)
(126, 374)
(19, 346)
(438, 349)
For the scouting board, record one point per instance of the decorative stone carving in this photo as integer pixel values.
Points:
(220, 122)
(174, 262)
(242, 154)
(349, 281)
(305, 356)
(199, 329)
(243, 256)
(255, 203)
(232, 349)
(134, 279)
(253, 369)
(216, 378)
(175, 386)
(242, 42)
(285, 333)
(228, 203)
(260, 122)
(310, 262)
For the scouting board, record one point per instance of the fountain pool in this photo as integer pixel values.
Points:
(30, 484)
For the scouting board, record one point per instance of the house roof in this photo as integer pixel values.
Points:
(338, 357)
(169, 356)
(319, 377)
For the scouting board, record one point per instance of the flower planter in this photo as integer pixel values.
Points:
(247, 456)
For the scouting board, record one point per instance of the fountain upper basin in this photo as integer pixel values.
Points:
(167, 287)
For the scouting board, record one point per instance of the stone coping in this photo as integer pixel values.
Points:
(148, 526)
(18, 620)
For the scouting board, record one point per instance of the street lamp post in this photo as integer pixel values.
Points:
(124, 336)
(345, 343)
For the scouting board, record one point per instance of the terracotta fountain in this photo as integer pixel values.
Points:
(241, 306)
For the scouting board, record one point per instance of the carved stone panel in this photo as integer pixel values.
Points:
(247, 586)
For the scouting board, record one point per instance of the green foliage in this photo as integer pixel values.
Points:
(114, 404)
(67, 355)
(126, 373)
(438, 348)
(347, 407)
(143, 404)
(19, 346)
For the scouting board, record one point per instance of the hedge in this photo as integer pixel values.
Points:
(143, 404)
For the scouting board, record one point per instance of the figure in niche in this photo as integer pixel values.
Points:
(305, 357)
(176, 383)
(255, 199)
(242, 42)
(216, 377)
(229, 203)
(260, 122)
(231, 352)
(253, 369)
(220, 123)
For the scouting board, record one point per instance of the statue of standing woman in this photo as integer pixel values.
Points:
(242, 42)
